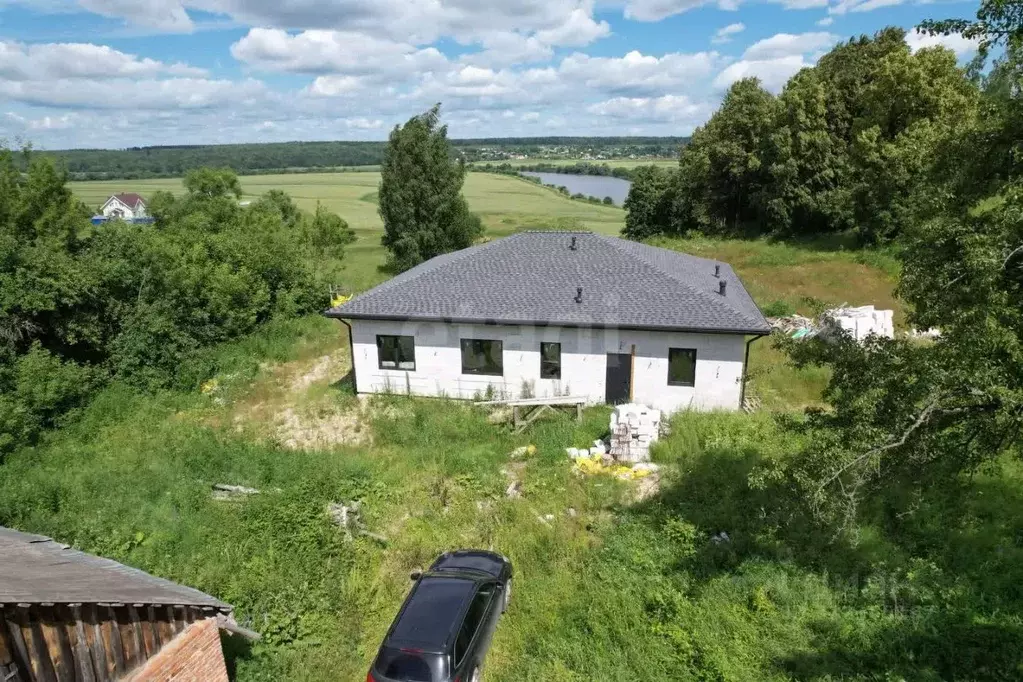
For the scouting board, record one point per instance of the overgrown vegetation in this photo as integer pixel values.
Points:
(81, 304)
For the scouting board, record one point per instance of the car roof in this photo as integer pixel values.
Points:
(432, 612)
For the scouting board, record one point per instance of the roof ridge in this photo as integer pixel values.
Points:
(616, 243)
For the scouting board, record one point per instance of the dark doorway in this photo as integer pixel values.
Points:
(619, 378)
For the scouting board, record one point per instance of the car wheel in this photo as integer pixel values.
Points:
(507, 595)
(475, 675)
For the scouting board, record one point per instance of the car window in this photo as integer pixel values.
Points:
(407, 665)
(408, 668)
(473, 618)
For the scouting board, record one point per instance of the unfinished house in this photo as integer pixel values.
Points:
(545, 314)
(68, 616)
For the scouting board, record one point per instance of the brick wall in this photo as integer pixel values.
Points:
(193, 656)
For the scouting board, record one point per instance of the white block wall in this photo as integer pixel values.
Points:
(719, 360)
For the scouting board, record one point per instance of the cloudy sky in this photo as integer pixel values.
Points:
(120, 73)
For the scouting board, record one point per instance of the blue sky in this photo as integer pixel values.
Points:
(120, 73)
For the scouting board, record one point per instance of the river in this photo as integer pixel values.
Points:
(599, 186)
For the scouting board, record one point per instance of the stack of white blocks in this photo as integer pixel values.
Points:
(862, 322)
(633, 429)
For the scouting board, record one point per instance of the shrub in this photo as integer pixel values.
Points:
(778, 308)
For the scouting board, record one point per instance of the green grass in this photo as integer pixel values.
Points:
(609, 591)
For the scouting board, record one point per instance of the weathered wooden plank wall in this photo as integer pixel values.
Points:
(85, 642)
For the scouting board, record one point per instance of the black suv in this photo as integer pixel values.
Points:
(444, 628)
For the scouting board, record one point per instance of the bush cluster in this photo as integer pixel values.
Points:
(81, 304)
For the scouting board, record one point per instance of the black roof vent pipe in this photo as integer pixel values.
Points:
(722, 285)
(579, 295)
(572, 245)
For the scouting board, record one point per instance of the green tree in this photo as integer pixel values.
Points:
(737, 137)
(908, 419)
(913, 103)
(649, 203)
(212, 183)
(806, 192)
(421, 204)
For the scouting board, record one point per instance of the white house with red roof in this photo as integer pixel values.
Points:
(126, 206)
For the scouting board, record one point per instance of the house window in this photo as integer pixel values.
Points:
(681, 366)
(550, 360)
(480, 356)
(397, 352)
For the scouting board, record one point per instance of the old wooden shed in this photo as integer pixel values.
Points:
(70, 616)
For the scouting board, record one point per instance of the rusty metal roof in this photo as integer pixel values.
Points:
(35, 569)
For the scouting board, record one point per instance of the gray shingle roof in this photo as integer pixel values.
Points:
(35, 569)
(533, 278)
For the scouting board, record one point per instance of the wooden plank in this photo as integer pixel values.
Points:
(6, 654)
(45, 671)
(52, 627)
(16, 646)
(81, 648)
(18, 643)
(116, 645)
(136, 627)
(149, 638)
(154, 623)
(68, 671)
(104, 634)
(95, 640)
(126, 632)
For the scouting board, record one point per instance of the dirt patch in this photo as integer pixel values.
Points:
(647, 487)
(320, 371)
(323, 428)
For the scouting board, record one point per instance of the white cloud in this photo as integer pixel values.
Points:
(667, 108)
(826, 21)
(655, 10)
(165, 15)
(773, 73)
(958, 44)
(79, 60)
(636, 72)
(776, 59)
(801, 4)
(724, 34)
(783, 45)
(844, 6)
(173, 93)
(320, 52)
(363, 123)
(577, 30)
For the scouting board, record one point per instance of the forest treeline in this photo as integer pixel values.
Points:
(81, 304)
(846, 146)
(298, 157)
